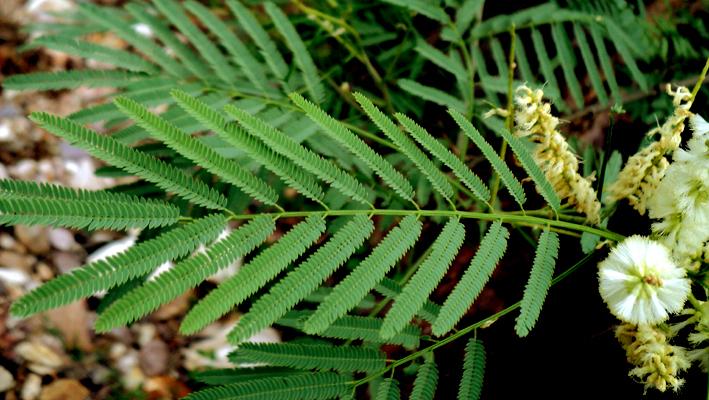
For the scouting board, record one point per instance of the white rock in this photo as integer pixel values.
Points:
(24, 169)
(112, 248)
(36, 6)
(62, 239)
(7, 382)
(6, 133)
(143, 29)
(131, 374)
(146, 333)
(162, 268)
(14, 277)
(32, 387)
(43, 359)
(81, 175)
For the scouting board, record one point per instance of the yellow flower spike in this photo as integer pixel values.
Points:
(656, 362)
(639, 179)
(533, 120)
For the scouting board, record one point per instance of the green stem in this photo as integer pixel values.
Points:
(700, 81)
(468, 328)
(495, 216)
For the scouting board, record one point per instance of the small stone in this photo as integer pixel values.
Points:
(62, 239)
(154, 357)
(43, 360)
(24, 169)
(35, 238)
(7, 242)
(100, 374)
(7, 382)
(17, 261)
(32, 387)
(44, 271)
(65, 261)
(165, 387)
(14, 277)
(146, 333)
(64, 389)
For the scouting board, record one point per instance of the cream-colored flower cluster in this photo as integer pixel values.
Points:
(642, 285)
(643, 172)
(533, 119)
(681, 201)
(657, 362)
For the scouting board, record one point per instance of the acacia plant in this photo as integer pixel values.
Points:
(320, 128)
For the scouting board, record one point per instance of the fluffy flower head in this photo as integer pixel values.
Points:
(640, 282)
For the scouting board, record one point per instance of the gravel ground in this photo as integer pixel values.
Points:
(56, 355)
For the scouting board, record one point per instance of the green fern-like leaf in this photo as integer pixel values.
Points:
(620, 41)
(186, 274)
(176, 115)
(606, 63)
(407, 147)
(471, 382)
(431, 94)
(209, 52)
(506, 176)
(231, 376)
(164, 33)
(253, 275)
(491, 249)
(352, 327)
(530, 166)
(240, 54)
(337, 131)
(439, 151)
(425, 279)
(590, 64)
(539, 281)
(197, 152)
(152, 170)
(545, 64)
(390, 288)
(107, 19)
(423, 7)
(110, 112)
(366, 275)
(426, 381)
(312, 386)
(388, 390)
(485, 77)
(301, 156)
(71, 79)
(301, 56)
(310, 356)
(441, 60)
(137, 261)
(303, 280)
(92, 51)
(32, 203)
(525, 70)
(284, 168)
(568, 62)
(267, 47)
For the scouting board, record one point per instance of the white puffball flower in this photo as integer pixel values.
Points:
(640, 282)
